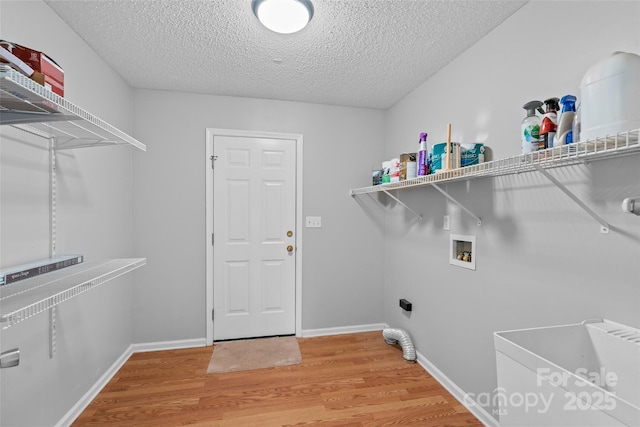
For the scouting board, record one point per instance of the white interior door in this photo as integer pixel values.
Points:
(254, 227)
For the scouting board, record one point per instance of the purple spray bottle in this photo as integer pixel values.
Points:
(422, 155)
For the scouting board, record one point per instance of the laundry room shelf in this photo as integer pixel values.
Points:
(27, 298)
(29, 106)
(622, 144)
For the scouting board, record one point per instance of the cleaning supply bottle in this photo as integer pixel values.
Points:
(386, 169)
(394, 170)
(530, 128)
(564, 134)
(412, 166)
(577, 124)
(422, 155)
(549, 123)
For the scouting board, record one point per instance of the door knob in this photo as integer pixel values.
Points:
(289, 233)
(290, 248)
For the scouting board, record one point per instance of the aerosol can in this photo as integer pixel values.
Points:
(530, 129)
(549, 124)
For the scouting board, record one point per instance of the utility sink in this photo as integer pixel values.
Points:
(584, 374)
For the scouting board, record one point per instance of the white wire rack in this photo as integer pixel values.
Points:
(600, 148)
(27, 298)
(29, 106)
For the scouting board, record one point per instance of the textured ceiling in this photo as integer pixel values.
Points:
(365, 53)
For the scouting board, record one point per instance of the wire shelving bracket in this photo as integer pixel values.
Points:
(604, 226)
(449, 197)
(404, 205)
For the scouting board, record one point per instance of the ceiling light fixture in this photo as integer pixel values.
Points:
(283, 16)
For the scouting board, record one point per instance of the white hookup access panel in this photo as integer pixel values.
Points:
(313, 221)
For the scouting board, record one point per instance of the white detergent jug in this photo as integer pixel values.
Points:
(610, 93)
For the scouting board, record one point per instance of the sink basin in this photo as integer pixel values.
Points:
(584, 374)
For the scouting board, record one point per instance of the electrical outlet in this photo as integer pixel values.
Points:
(445, 223)
(314, 222)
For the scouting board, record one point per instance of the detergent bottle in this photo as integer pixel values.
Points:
(549, 124)
(564, 134)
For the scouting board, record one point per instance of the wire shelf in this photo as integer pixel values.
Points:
(27, 298)
(29, 106)
(621, 144)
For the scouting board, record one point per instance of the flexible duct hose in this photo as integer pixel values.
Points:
(394, 335)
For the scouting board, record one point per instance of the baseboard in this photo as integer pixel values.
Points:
(82, 404)
(91, 394)
(307, 333)
(478, 411)
(169, 345)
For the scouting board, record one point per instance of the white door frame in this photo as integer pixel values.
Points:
(210, 133)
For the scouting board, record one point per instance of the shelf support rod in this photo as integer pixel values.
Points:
(52, 197)
(402, 204)
(604, 225)
(9, 117)
(52, 331)
(448, 196)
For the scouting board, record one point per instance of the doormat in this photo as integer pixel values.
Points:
(260, 353)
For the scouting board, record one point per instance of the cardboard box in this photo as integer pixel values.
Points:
(41, 63)
(407, 166)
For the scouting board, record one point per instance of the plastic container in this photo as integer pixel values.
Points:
(386, 167)
(564, 134)
(394, 171)
(530, 127)
(577, 124)
(582, 374)
(422, 156)
(609, 96)
(376, 176)
(412, 170)
(549, 124)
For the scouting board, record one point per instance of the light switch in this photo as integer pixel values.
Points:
(314, 222)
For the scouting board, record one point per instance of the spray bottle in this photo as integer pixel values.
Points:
(422, 155)
(564, 134)
(530, 129)
(549, 124)
(577, 124)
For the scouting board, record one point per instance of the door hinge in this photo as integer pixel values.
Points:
(213, 159)
(212, 315)
(212, 239)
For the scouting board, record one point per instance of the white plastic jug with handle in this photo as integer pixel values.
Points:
(610, 94)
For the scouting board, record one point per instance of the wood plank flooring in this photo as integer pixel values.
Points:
(353, 380)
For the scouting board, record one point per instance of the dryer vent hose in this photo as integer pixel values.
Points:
(394, 335)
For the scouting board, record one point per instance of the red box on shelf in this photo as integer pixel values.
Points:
(40, 62)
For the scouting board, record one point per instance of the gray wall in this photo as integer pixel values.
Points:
(342, 273)
(94, 218)
(541, 260)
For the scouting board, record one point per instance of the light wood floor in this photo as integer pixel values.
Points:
(343, 380)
